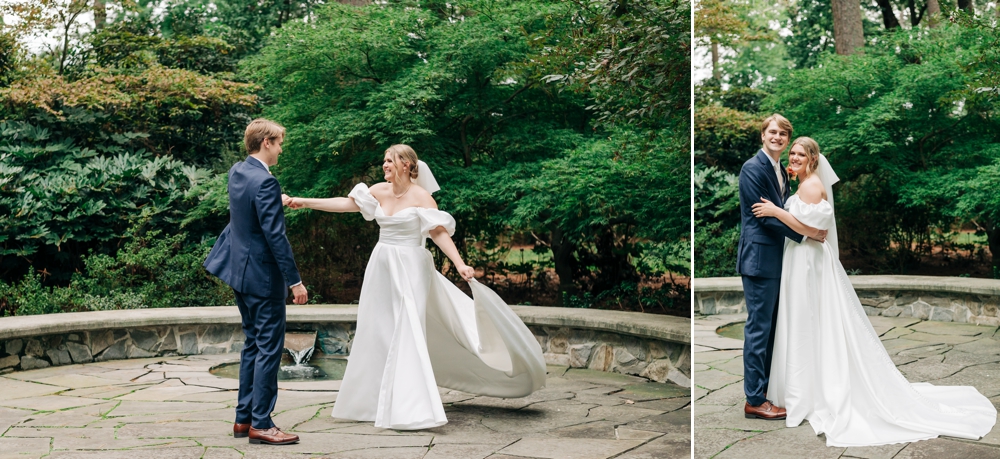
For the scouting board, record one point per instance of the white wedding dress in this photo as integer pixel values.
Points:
(830, 368)
(416, 331)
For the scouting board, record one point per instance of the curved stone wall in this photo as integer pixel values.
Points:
(946, 299)
(653, 346)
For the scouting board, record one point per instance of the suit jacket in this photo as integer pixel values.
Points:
(252, 255)
(762, 240)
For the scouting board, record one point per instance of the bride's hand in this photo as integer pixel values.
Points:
(467, 272)
(295, 203)
(765, 209)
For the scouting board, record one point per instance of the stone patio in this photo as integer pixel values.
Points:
(171, 407)
(941, 353)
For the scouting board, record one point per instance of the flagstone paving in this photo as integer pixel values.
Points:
(172, 407)
(940, 353)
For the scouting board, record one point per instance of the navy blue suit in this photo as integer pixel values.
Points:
(758, 260)
(253, 256)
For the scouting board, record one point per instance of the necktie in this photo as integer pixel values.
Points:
(781, 181)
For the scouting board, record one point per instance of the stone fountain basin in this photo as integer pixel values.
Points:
(652, 346)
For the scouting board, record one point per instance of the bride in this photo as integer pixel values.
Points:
(829, 367)
(416, 330)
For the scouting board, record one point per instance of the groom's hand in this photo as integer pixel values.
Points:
(819, 236)
(285, 199)
(300, 294)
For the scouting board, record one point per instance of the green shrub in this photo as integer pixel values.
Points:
(715, 249)
(150, 271)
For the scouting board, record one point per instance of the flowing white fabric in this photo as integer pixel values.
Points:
(425, 178)
(830, 368)
(417, 331)
(829, 178)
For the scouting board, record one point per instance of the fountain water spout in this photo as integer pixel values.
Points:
(300, 346)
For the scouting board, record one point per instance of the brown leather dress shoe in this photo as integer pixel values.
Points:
(241, 430)
(272, 436)
(766, 410)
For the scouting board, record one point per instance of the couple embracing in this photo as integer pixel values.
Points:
(809, 347)
(415, 329)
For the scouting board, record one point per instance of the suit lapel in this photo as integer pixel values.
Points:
(784, 176)
(771, 178)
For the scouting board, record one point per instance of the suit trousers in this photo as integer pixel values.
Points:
(264, 326)
(762, 314)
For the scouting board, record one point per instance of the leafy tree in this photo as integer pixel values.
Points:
(38, 16)
(744, 29)
(641, 60)
(9, 58)
(163, 110)
(86, 153)
(892, 122)
(242, 24)
(464, 84)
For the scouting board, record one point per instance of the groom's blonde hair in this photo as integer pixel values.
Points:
(812, 150)
(783, 123)
(260, 129)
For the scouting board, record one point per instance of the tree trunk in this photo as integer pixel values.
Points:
(716, 73)
(65, 49)
(933, 13)
(888, 16)
(916, 16)
(565, 263)
(100, 14)
(848, 35)
(967, 5)
(993, 238)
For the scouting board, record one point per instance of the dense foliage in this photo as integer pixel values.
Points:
(559, 127)
(910, 126)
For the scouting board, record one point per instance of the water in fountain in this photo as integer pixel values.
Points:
(297, 366)
(301, 357)
(300, 346)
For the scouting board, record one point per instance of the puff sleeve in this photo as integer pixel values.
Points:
(363, 198)
(819, 215)
(433, 218)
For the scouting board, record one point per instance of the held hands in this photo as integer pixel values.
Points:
(819, 236)
(292, 203)
(765, 209)
(301, 296)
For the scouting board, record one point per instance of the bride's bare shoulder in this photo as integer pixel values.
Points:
(423, 197)
(811, 190)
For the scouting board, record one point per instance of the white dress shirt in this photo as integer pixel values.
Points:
(777, 171)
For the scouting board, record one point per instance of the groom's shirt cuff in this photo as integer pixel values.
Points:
(295, 284)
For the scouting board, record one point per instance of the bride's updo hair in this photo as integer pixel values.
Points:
(812, 151)
(403, 154)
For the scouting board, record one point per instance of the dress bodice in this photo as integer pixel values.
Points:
(407, 227)
(819, 215)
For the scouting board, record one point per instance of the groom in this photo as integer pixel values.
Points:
(253, 257)
(758, 261)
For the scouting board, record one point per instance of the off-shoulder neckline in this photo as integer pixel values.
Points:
(796, 196)
(378, 204)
